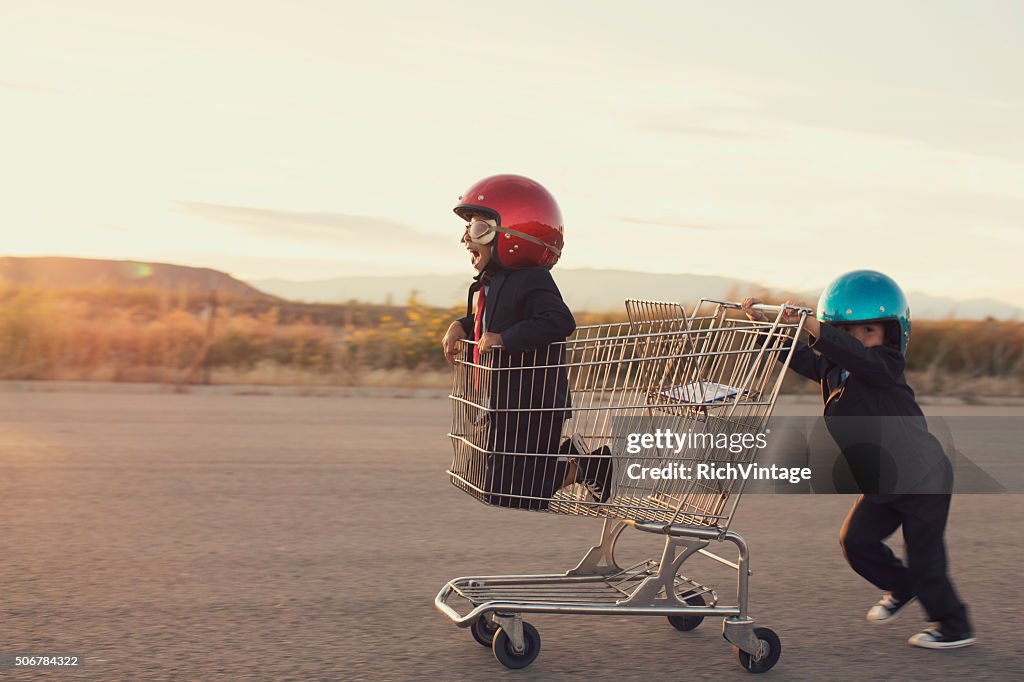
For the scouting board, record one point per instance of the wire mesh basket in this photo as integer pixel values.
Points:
(646, 419)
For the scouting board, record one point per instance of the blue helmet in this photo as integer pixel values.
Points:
(866, 296)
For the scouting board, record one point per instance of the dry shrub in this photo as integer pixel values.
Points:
(142, 335)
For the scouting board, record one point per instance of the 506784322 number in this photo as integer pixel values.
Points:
(40, 661)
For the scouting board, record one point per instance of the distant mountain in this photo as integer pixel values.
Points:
(599, 291)
(435, 290)
(926, 307)
(86, 273)
(583, 289)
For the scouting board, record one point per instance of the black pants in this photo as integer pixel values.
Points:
(923, 518)
(530, 476)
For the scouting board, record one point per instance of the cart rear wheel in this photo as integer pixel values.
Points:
(502, 647)
(483, 631)
(687, 623)
(772, 651)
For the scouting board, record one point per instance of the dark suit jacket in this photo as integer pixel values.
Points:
(873, 415)
(526, 308)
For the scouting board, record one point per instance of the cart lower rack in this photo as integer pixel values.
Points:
(556, 432)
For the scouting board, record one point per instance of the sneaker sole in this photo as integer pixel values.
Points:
(881, 621)
(944, 645)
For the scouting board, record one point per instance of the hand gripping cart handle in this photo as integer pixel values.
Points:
(571, 429)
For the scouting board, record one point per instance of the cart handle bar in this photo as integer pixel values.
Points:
(763, 307)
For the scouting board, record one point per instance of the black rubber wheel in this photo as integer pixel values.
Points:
(771, 656)
(502, 647)
(687, 623)
(483, 631)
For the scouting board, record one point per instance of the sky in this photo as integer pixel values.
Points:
(783, 142)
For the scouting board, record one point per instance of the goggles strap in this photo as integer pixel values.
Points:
(530, 238)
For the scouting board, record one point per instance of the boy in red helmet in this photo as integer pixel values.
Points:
(514, 236)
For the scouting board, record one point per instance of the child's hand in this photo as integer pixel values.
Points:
(748, 308)
(790, 316)
(450, 342)
(488, 341)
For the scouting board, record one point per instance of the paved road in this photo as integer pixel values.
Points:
(280, 536)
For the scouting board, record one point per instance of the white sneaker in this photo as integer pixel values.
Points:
(934, 638)
(887, 608)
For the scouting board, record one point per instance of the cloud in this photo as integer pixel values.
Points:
(673, 223)
(327, 242)
(699, 131)
(311, 225)
(27, 87)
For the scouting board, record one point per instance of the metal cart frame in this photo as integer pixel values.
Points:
(635, 370)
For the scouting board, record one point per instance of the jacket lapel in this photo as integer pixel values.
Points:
(832, 380)
(494, 289)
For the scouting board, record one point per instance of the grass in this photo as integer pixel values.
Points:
(151, 336)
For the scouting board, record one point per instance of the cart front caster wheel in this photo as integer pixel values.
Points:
(483, 631)
(502, 647)
(771, 650)
(687, 623)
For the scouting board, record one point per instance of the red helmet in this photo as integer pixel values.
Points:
(522, 215)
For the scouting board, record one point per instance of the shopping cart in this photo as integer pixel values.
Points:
(564, 431)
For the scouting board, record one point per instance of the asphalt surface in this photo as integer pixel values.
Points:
(270, 535)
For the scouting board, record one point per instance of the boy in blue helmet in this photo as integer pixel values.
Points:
(857, 344)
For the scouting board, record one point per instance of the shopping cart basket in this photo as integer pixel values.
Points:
(574, 429)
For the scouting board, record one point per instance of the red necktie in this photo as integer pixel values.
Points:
(478, 326)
